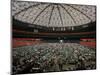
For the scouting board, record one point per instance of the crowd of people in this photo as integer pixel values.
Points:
(51, 57)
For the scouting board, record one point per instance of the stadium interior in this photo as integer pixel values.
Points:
(52, 37)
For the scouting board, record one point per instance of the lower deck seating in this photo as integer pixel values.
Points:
(50, 57)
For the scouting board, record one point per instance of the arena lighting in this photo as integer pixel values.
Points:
(84, 26)
(61, 41)
(53, 28)
(72, 28)
(37, 39)
(64, 29)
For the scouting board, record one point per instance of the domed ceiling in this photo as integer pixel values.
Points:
(52, 14)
